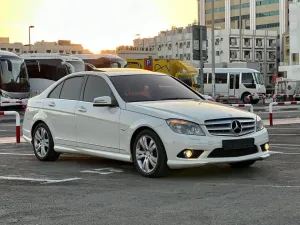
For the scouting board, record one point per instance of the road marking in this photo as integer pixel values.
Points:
(44, 181)
(284, 134)
(103, 171)
(281, 147)
(289, 145)
(3, 130)
(284, 153)
(20, 154)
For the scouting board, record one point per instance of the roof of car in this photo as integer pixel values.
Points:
(125, 71)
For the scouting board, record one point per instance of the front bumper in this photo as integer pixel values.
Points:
(174, 144)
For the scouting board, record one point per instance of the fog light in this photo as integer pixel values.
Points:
(267, 147)
(188, 153)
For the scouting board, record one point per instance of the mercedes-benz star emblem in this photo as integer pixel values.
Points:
(236, 126)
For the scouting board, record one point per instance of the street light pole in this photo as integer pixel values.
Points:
(213, 50)
(29, 38)
(240, 31)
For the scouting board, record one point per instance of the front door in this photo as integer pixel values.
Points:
(234, 84)
(97, 128)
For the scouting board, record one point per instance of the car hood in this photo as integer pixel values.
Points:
(197, 111)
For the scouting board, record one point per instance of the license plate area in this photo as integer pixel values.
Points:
(238, 144)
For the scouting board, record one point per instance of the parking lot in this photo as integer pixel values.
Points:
(75, 187)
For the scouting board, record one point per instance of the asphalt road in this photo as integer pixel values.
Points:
(86, 190)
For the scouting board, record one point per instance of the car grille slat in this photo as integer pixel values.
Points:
(223, 127)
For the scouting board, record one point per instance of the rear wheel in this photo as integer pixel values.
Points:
(149, 155)
(43, 145)
(243, 164)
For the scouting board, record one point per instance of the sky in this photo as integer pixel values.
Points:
(96, 24)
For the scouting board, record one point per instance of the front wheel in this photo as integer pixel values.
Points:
(245, 98)
(149, 155)
(243, 164)
(43, 145)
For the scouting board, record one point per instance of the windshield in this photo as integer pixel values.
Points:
(18, 73)
(259, 78)
(139, 88)
(79, 65)
(51, 69)
(13, 78)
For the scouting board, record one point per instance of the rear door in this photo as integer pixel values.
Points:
(59, 110)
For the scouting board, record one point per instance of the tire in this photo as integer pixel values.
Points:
(41, 136)
(244, 97)
(243, 164)
(152, 151)
(255, 101)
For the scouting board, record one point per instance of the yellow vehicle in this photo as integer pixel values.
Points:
(182, 70)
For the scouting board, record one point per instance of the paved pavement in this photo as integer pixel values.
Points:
(86, 190)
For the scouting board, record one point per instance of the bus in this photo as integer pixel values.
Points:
(46, 68)
(240, 82)
(14, 84)
(102, 61)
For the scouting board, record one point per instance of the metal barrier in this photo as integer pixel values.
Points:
(18, 129)
(296, 96)
(260, 96)
(243, 106)
(227, 97)
(279, 103)
(280, 95)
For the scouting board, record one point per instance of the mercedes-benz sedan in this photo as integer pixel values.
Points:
(139, 116)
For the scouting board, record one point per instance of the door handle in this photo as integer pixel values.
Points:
(81, 109)
(52, 104)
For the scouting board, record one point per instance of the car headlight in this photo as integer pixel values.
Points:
(259, 124)
(185, 127)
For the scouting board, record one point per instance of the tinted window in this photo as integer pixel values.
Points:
(247, 78)
(209, 78)
(205, 78)
(221, 78)
(95, 87)
(56, 91)
(71, 88)
(50, 69)
(135, 88)
(185, 79)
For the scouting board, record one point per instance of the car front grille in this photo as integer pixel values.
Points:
(221, 153)
(224, 127)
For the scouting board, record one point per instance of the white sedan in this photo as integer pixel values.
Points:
(139, 116)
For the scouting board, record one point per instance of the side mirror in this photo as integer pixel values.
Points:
(252, 81)
(104, 101)
(9, 65)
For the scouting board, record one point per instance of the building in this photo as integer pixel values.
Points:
(62, 46)
(112, 52)
(258, 46)
(131, 52)
(256, 14)
(176, 43)
(271, 15)
(290, 67)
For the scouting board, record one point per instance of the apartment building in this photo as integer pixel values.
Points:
(290, 67)
(258, 46)
(61, 46)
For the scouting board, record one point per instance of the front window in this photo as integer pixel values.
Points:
(51, 69)
(259, 78)
(139, 88)
(78, 65)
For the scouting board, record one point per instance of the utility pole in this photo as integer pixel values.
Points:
(213, 49)
(29, 39)
(200, 51)
(240, 30)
